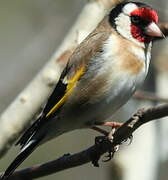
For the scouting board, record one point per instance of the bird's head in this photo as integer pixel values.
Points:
(135, 21)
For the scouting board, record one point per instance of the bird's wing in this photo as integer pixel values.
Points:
(76, 67)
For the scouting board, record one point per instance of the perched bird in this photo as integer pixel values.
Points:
(101, 75)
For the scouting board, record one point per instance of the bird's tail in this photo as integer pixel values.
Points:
(25, 152)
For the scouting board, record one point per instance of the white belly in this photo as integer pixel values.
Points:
(117, 97)
(99, 111)
(86, 115)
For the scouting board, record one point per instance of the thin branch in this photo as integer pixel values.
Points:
(144, 95)
(94, 152)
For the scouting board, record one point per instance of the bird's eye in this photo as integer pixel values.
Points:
(135, 19)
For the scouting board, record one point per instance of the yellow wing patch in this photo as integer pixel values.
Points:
(71, 84)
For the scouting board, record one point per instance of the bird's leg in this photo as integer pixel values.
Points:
(108, 139)
(110, 124)
(107, 136)
(113, 125)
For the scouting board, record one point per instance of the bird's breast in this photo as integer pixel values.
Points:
(127, 56)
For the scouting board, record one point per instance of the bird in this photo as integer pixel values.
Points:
(101, 75)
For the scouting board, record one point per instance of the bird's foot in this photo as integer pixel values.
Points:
(106, 140)
(130, 139)
(113, 149)
(113, 125)
(111, 153)
(99, 140)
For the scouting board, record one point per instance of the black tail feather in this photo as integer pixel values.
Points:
(25, 152)
(29, 132)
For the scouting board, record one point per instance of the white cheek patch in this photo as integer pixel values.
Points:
(123, 26)
(129, 8)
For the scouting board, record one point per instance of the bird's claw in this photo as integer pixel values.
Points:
(99, 140)
(129, 139)
(66, 155)
(109, 156)
(111, 153)
(95, 157)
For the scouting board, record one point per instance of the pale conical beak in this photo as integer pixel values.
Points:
(153, 30)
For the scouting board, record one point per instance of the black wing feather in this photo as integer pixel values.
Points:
(56, 95)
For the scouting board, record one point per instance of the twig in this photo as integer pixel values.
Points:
(69, 161)
(144, 95)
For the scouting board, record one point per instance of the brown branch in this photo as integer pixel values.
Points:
(94, 152)
(144, 95)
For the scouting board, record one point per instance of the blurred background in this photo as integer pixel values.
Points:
(30, 32)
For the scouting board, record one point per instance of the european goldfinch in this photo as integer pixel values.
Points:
(101, 75)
